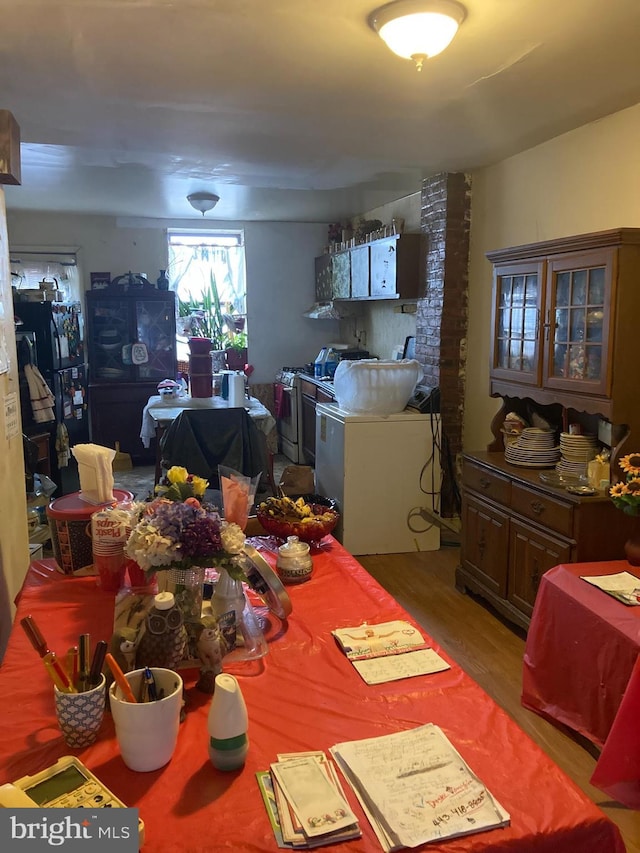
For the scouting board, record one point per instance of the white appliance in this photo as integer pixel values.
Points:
(385, 474)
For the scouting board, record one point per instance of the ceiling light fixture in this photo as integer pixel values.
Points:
(418, 29)
(203, 201)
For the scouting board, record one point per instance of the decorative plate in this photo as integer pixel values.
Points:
(266, 583)
(139, 354)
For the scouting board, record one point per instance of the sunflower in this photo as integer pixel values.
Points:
(618, 490)
(626, 494)
(630, 464)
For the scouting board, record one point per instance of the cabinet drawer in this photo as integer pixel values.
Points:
(486, 482)
(308, 388)
(323, 397)
(544, 509)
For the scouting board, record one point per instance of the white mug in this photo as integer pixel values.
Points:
(147, 732)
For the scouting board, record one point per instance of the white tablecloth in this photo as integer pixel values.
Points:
(159, 410)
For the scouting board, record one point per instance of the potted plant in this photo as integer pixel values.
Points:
(203, 319)
(236, 351)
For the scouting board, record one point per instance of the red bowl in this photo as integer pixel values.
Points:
(309, 531)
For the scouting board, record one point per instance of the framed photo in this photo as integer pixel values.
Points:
(100, 280)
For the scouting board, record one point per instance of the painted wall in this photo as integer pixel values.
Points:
(586, 180)
(279, 262)
(14, 543)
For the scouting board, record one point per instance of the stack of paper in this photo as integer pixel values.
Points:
(305, 802)
(624, 586)
(388, 651)
(415, 787)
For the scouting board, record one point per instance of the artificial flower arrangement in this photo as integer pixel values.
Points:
(626, 494)
(178, 530)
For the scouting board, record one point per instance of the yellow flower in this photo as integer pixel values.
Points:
(631, 464)
(199, 485)
(618, 490)
(177, 474)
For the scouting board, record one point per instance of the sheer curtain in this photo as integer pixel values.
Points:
(194, 257)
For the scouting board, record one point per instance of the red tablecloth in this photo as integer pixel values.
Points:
(303, 695)
(580, 660)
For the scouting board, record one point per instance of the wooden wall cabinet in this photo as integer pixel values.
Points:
(515, 528)
(564, 319)
(564, 323)
(389, 268)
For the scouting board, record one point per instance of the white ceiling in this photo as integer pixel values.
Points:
(289, 109)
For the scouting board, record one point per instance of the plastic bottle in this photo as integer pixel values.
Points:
(318, 364)
(331, 362)
(227, 725)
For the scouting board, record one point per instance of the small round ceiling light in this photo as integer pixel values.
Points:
(203, 201)
(418, 29)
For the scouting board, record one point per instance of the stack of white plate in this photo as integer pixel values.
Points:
(575, 452)
(534, 448)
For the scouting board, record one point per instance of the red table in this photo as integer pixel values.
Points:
(303, 695)
(581, 659)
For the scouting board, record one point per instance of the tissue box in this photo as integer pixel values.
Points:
(70, 525)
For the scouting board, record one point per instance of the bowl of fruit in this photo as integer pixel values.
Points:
(309, 517)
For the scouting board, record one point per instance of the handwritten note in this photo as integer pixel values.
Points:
(418, 786)
(395, 667)
(388, 651)
(624, 586)
(373, 641)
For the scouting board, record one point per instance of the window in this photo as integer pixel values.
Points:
(31, 266)
(207, 271)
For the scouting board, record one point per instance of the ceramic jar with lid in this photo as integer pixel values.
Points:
(294, 562)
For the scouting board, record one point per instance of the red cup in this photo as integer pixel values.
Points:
(137, 577)
(111, 570)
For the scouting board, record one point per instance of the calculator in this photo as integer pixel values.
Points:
(67, 784)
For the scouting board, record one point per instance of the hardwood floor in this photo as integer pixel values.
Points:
(491, 652)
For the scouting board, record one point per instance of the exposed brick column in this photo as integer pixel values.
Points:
(441, 317)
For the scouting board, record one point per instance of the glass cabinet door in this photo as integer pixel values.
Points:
(109, 330)
(155, 328)
(516, 347)
(131, 338)
(577, 322)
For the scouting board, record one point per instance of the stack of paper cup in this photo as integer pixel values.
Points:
(109, 532)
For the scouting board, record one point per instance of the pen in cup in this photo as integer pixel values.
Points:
(54, 667)
(97, 662)
(72, 664)
(84, 642)
(120, 679)
(149, 691)
(35, 637)
(57, 673)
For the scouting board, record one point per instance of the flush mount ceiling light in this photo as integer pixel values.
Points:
(203, 201)
(418, 29)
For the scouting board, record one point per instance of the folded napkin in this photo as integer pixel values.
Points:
(95, 469)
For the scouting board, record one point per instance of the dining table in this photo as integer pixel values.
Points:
(160, 412)
(303, 695)
(581, 668)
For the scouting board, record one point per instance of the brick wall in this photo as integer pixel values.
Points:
(441, 316)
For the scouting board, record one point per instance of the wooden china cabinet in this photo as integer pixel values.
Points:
(564, 324)
(131, 344)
